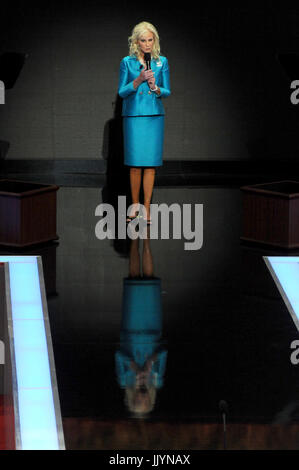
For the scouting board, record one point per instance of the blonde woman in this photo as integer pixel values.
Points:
(143, 111)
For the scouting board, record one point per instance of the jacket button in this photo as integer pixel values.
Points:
(141, 93)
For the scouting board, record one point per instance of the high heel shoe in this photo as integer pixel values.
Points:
(135, 214)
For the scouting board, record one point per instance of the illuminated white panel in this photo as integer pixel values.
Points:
(39, 428)
(285, 272)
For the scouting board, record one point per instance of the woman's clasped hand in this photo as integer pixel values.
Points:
(147, 75)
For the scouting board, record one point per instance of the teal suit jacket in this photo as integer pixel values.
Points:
(142, 102)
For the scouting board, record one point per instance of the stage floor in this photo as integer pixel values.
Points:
(226, 332)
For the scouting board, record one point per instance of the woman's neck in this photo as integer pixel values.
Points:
(141, 56)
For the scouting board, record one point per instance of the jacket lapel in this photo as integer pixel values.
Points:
(154, 65)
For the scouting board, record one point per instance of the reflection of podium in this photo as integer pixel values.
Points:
(27, 213)
(270, 214)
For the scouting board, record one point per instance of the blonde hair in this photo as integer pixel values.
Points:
(138, 30)
(140, 410)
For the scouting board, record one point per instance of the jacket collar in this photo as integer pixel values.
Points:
(153, 62)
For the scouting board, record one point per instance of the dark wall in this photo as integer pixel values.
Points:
(230, 95)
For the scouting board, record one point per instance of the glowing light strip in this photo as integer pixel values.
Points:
(37, 405)
(285, 272)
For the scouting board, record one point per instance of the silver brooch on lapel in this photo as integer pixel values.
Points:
(159, 63)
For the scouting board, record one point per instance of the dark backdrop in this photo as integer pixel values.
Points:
(230, 95)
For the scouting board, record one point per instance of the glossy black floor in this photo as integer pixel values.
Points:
(226, 331)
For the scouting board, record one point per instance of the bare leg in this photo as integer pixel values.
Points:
(135, 181)
(147, 258)
(148, 184)
(134, 260)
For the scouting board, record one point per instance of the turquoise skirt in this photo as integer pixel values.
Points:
(143, 140)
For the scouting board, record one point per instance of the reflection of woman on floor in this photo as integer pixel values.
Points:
(141, 359)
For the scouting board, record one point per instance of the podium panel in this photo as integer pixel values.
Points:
(30, 384)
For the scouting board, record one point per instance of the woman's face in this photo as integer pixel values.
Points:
(142, 402)
(146, 42)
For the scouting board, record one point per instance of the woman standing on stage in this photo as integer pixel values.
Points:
(143, 111)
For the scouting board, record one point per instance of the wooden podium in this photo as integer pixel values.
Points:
(271, 214)
(27, 213)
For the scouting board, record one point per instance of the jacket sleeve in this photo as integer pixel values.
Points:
(165, 88)
(125, 88)
(125, 375)
(160, 367)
